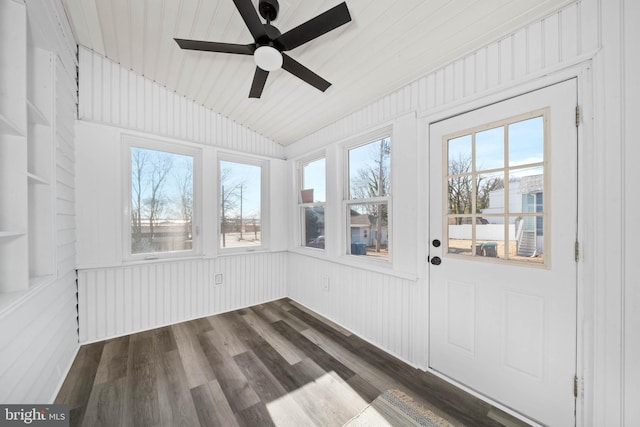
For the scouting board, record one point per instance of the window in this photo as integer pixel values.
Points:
(241, 192)
(312, 202)
(495, 189)
(161, 212)
(367, 206)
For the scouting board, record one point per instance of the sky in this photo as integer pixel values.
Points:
(250, 175)
(525, 142)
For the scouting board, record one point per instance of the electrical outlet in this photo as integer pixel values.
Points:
(218, 279)
(325, 283)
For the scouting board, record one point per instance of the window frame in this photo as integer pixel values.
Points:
(264, 199)
(301, 206)
(544, 114)
(348, 202)
(178, 148)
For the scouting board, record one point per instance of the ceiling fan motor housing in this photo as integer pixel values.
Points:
(269, 9)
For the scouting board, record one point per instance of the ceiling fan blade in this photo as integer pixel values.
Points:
(243, 49)
(259, 79)
(315, 27)
(252, 20)
(303, 73)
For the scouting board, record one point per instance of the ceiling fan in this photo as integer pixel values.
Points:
(269, 44)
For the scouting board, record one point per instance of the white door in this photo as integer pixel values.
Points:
(503, 220)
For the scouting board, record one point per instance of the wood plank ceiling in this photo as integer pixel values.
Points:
(387, 45)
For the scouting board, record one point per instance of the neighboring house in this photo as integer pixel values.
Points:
(525, 195)
(363, 230)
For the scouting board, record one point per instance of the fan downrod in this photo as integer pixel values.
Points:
(268, 9)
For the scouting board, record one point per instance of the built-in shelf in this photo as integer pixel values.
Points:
(36, 115)
(33, 178)
(27, 153)
(8, 127)
(10, 234)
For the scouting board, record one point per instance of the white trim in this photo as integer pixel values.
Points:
(484, 398)
(196, 153)
(65, 374)
(380, 134)
(265, 188)
(586, 279)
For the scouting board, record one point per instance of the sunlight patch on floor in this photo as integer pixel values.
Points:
(328, 400)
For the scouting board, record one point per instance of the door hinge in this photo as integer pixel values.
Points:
(577, 251)
(577, 115)
(575, 386)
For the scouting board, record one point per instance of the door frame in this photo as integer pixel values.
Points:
(585, 280)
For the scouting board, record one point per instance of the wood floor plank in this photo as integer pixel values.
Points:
(324, 360)
(279, 367)
(233, 383)
(113, 361)
(176, 402)
(273, 364)
(141, 406)
(287, 350)
(232, 344)
(164, 339)
(212, 406)
(269, 312)
(105, 406)
(370, 373)
(364, 388)
(281, 406)
(266, 385)
(256, 415)
(323, 397)
(196, 365)
(323, 319)
(76, 388)
(390, 370)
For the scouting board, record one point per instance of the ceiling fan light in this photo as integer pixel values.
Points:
(268, 58)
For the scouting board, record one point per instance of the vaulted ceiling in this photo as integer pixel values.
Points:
(388, 44)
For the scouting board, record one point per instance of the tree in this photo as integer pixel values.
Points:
(462, 191)
(183, 177)
(228, 200)
(155, 204)
(372, 181)
(139, 160)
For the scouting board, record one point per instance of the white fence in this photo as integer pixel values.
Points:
(483, 232)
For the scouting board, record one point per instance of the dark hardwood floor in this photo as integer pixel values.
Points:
(272, 364)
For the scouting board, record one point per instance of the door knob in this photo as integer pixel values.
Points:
(436, 260)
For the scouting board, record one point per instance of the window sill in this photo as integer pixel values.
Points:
(156, 259)
(354, 261)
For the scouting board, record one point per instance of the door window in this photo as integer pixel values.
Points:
(495, 190)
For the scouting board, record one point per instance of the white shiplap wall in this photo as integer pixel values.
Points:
(385, 310)
(551, 44)
(38, 333)
(114, 95)
(362, 299)
(602, 37)
(117, 301)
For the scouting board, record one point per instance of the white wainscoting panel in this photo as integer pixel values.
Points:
(122, 300)
(114, 95)
(385, 310)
